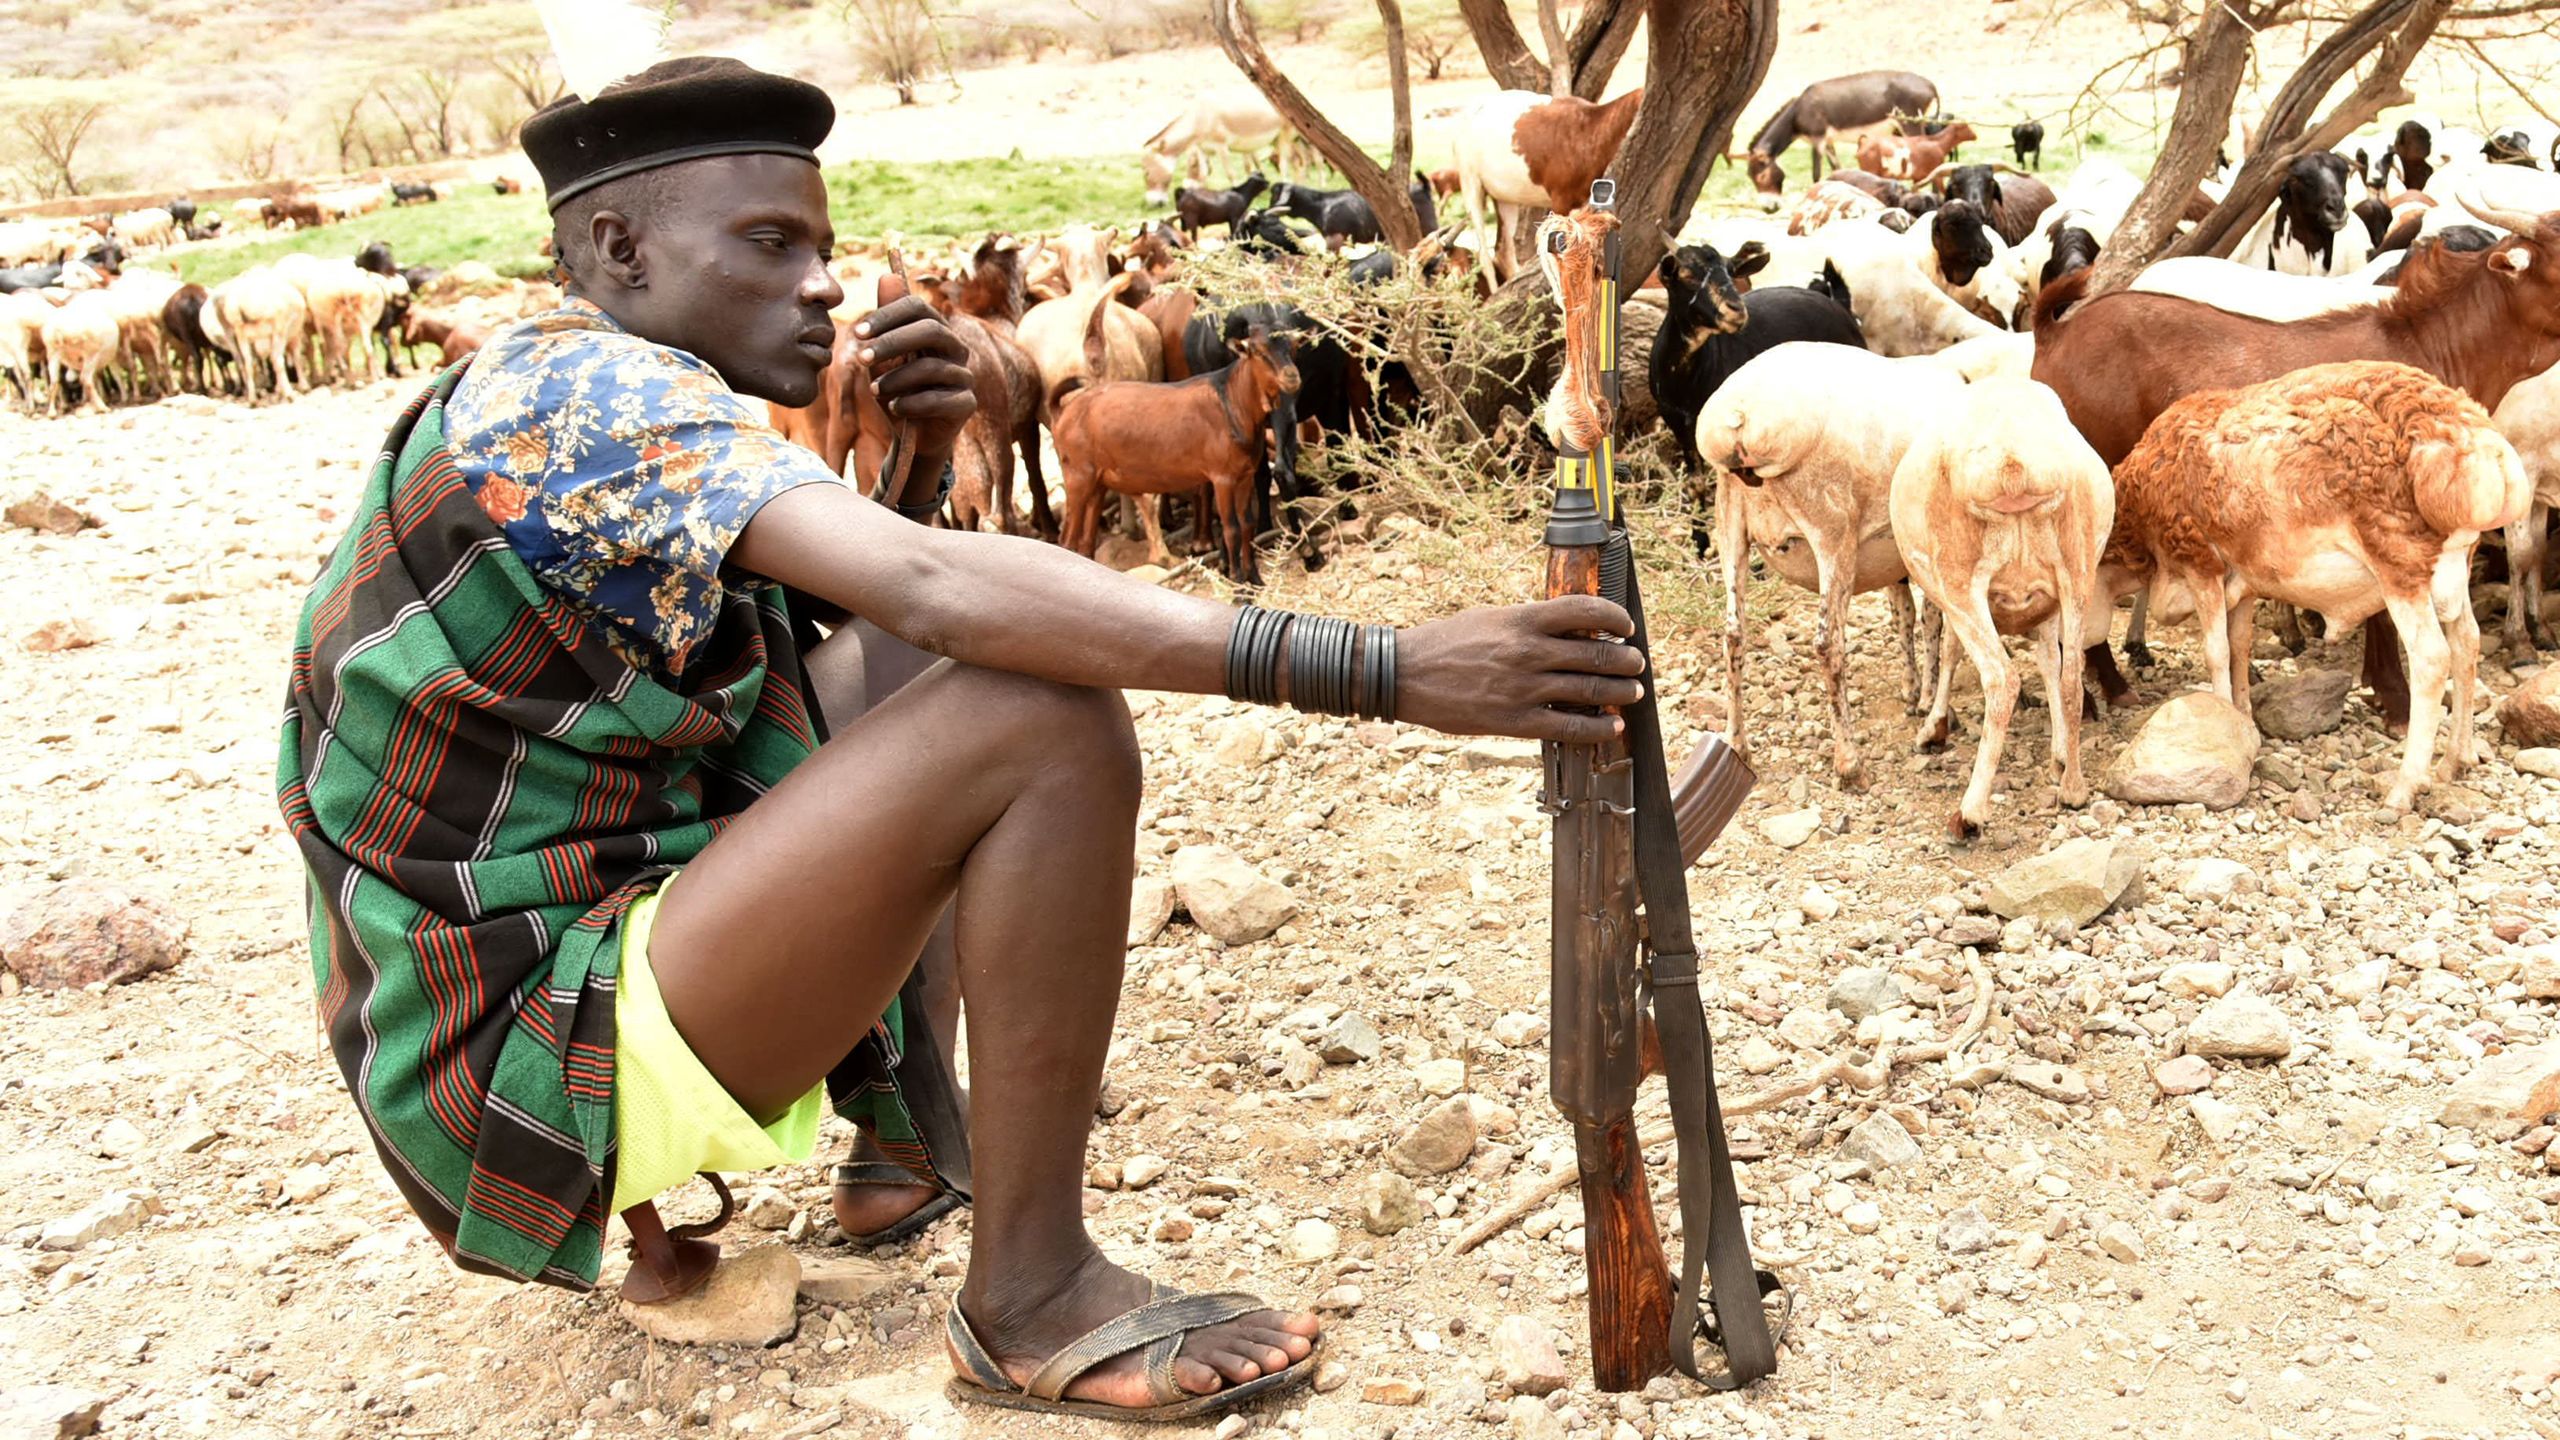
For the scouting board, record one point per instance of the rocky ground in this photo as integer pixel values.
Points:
(2257, 1151)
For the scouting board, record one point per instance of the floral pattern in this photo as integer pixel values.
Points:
(620, 471)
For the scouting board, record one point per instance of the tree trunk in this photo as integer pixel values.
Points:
(1559, 59)
(1385, 193)
(1506, 54)
(1600, 41)
(1590, 55)
(2215, 60)
(1400, 88)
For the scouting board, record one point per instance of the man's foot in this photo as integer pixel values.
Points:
(1022, 1323)
(875, 1203)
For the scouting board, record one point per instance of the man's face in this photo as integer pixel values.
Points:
(736, 265)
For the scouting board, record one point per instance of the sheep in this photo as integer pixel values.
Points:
(22, 318)
(259, 316)
(1795, 465)
(2001, 511)
(136, 299)
(2345, 488)
(2530, 419)
(80, 339)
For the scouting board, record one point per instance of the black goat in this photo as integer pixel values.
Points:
(1338, 215)
(376, 257)
(410, 192)
(182, 210)
(1961, 234)
(1710, 328)
(2412, 145)
(2026, 141)
(2074, 250)
(392, 328)
(1194, 208)
(1267, 234)
(2011, 202)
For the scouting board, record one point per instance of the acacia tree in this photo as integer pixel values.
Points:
(1577, 64)
(898, 40)
(50, 133)
(1383, 189)
(2215, 53)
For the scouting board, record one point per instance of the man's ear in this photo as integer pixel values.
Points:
(616, 245)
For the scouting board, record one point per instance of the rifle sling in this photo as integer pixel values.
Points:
(1712, 1237)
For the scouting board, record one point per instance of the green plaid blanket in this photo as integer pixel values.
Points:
(480, 787)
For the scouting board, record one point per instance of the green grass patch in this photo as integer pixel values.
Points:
(504, 231)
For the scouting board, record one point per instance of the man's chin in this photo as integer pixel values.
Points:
(793, 386)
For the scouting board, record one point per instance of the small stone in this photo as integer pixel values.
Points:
(2121, 1241)
(1864, 992)
(1816, 904)
(2219, 1121)
(2241, 1027)
(63, 632)
(1532, 1420)
(120, 1138)
(2471, 1200)
(1792, 828)
(848, 1280)
(1758, 1056)
(2542, 760)
(1446, 1076)
(1231, 1428)
(304, 1184)
(1150, 907)
(1229, 898)
(1243, 741)
(2184, 1076)
(2194, 749)
(2538, 971)
(45, 515)
(2197, 979)
(1973, 930)
(1389, 1203)
(1312, 1239)
(2213, 878)
(49, 1412)
(1525, 1353)
(2302, 705)
(2076, 881)
(83, 933)
(109, 1217)
(1140, 1171)
(767, 1209)
(1967, 1232)
(2384, 1190)
(1331, 1375)
(749, 1300)
(1171, 1229)
(1807, 1028)
(1518, 1028)
(1494, 752)
(1439, 1142)
(1879, 1143)
(1862, 1217)
(2530, 715)
(2514, 1087)
(2053, 1082)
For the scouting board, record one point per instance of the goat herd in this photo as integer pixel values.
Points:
(1900, 383)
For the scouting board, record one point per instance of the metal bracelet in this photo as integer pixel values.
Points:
(1253, 654)
(924, 514)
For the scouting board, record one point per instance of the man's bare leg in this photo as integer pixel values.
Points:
(790, 933)
(861, 665)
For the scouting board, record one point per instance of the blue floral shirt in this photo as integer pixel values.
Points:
(620, 471)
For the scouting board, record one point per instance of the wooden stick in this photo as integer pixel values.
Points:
(1839, 1067)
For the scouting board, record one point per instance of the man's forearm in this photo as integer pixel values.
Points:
(924, 480)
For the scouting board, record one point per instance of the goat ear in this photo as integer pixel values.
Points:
(2511, 261)
(1751, 259)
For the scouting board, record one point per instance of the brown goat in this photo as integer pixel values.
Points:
(1150, 438)
(2348, 489)
(453, 339)
(1908, 157)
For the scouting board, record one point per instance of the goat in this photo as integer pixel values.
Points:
(2481, 326)
(1195, 208)
(1144, 438)
(1908, 157)
(2307, 233)
(1826, 113)
(263, 319)
(1793, 467)
(81, 338)
(1710, 330)
(1057, 332)
(2011, 201)
(455, 340)
(139, 229)
(405, 192)
(2026, 141)
(1007, 384)
(2530, 419)
(200, 362)
(1338, 215)
(2001, 510)
(2350, 489)
(1832, 201)
(1526, 150)
(2411, 154)
(22, 354)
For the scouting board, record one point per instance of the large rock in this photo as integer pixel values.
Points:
(849, 1280)
(1879, 1143)
(1864, 992)
(1229, 898)
(2241, 1027)
(1440, 1142)
(1526, 1351)
(2297, 707)
(2506, 1090)
(2196, 749)
(1389, 1203)
(49, 1412)
(45, 515)
(1150, 906)
(84, 933)
(748, 1301)
(2531, 712)
(2077, 881)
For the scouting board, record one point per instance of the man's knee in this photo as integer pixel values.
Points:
(1086, 727)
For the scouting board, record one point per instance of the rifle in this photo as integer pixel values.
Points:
(1622, 832)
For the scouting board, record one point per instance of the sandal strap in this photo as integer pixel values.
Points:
(1159, 1324)
(983, 1371)
(876, 1172)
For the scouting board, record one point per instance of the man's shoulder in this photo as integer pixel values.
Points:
(576, 356)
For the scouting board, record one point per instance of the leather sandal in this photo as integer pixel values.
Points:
(669, 1264)
(1156, 1326)
(885, 1172)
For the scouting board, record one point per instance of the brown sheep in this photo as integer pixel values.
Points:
(2344, 488)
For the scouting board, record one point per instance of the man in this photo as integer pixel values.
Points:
(599, 902)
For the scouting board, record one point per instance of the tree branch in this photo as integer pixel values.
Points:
(1385, 194)
(1400, 87)
(1559, 59)
(1600, 41)
(1506, 54)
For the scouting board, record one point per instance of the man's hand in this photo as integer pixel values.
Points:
(1496, 671)
(921, 371)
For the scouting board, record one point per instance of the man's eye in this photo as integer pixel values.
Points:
(772, 242)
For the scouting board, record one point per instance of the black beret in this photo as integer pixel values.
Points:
(687, 108)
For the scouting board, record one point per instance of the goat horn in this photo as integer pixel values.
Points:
(1934, 176)
(1669, 240)
(2003, 167)
(2519, 221)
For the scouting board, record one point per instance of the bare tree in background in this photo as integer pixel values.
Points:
(249, 150)
(428, 106)
(530, 73)
(50, 134)
(344, 112)
(897, 40)
(1383, 189)
(2215, 40)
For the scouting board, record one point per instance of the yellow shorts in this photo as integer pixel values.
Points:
(670, 1117)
